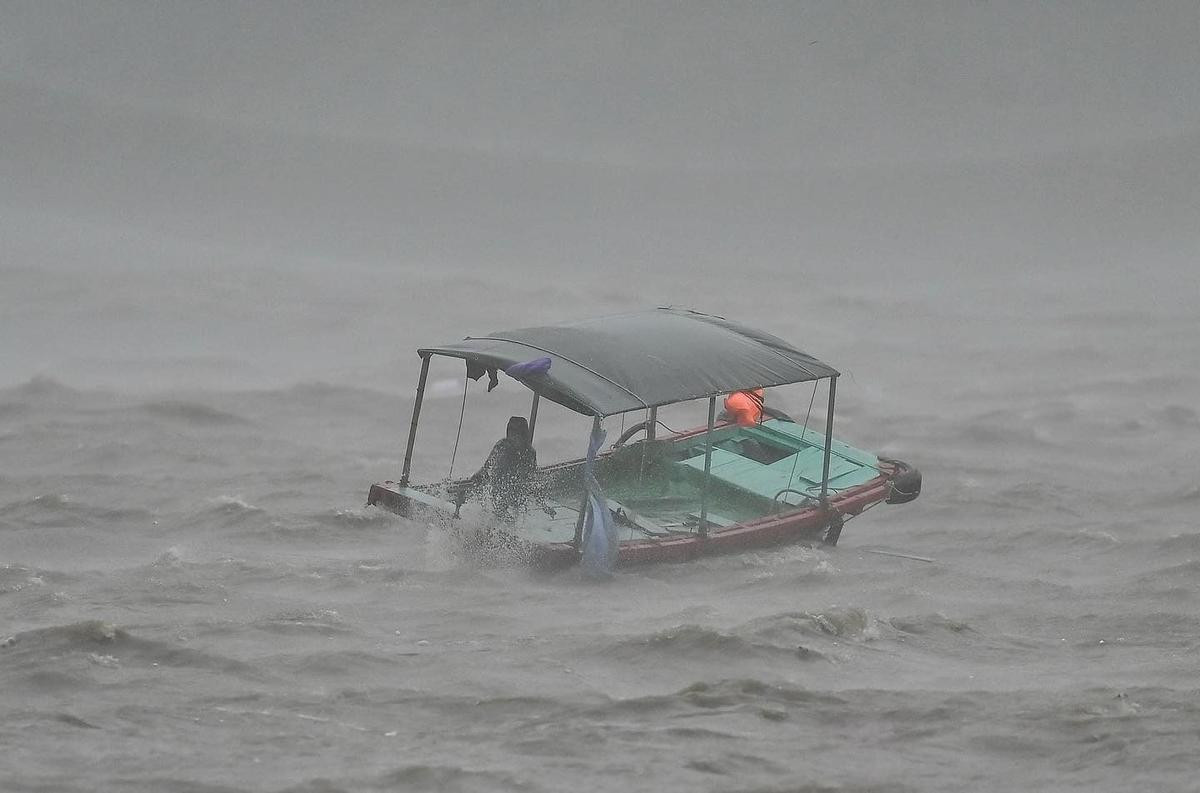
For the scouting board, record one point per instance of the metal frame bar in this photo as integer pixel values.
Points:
(583, 505)
(533, 414)
(578, 541)
(642, 406)
(652, 429)
(416, 414)
(828, 443)
(712, 415)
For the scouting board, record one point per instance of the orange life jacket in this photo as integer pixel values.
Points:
(745, 407)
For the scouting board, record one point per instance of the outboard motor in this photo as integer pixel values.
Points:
(905, 484)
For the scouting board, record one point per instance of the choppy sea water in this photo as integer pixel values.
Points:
(195, 598)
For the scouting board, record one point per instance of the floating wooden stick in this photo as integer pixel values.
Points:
(898, 555)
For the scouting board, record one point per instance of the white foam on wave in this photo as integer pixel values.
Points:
(235, 501)
(172, 557)
(440, 549)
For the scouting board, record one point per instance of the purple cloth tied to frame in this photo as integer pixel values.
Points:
(536, 366)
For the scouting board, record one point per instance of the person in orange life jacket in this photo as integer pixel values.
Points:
(747, 409)
(744, 407)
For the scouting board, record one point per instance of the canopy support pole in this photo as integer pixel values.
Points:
(416, 414)
(583, 504)
(828, 444)
(652, 429)
(533, 414)
(578, 541)
(712, 415)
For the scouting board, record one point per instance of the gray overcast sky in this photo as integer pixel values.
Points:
(773, 84)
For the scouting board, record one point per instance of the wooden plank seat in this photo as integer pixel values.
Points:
(427, 499)
(713, 519)
(633, 518)
(811, 437)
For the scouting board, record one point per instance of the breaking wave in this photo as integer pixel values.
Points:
(190, 413)
(57, 509)
(103, 643)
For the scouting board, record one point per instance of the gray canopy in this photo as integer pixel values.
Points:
(609, 365)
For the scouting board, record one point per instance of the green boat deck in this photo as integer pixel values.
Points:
(655, 488)
(744, 461)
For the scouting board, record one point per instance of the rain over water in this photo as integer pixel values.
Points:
(225, 228)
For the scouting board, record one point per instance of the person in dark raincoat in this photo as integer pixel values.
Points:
(509, 473)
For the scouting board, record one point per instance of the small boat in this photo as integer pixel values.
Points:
(720, 487)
